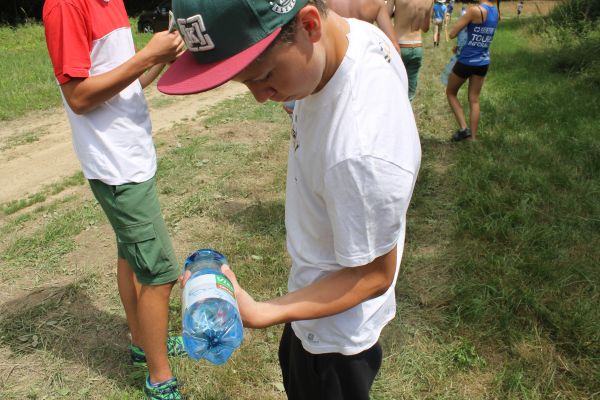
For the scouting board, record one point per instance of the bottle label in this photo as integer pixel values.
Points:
(207, 286)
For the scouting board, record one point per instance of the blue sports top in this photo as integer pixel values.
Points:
(438, 11)
(477, 50)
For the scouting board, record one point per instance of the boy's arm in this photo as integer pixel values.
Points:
(85, 94)
(427, 20)
(151, 75)
(390, 4)
(331, 295)
(461, 23)
(384, 22)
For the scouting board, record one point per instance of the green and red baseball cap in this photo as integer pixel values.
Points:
(222, 37)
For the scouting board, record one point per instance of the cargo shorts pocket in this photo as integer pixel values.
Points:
(143, 251)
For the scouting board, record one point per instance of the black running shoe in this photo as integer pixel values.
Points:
(461, 134)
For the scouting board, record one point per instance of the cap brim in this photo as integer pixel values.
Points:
(188, 76)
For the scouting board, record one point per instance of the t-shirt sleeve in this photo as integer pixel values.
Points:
(366, 199)
(68, 37)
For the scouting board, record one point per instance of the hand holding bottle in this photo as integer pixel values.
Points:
(212, 327)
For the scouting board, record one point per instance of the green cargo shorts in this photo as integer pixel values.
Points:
(142, 238)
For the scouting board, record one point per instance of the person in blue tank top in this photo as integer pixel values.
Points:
(473, 62)
(438, 15)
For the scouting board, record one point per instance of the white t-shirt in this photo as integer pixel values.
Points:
(85, 38)
(353, 161)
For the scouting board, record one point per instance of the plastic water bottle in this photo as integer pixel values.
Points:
(461, 41)
(448, 69)
(212, 326)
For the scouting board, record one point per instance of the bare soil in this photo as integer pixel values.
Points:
(49, 157)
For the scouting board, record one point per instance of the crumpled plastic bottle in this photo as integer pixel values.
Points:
(212, 326)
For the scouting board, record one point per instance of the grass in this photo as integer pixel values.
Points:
(23, 138)
(13, 206)
(28, 82)
(528, 212)
(498, 294)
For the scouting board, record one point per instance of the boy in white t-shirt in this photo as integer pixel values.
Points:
(353, 160)
(101, 78)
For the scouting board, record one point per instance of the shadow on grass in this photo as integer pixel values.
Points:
(64, 322)
(264, 218)
(527, 233)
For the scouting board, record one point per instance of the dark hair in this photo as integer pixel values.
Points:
(288, 31)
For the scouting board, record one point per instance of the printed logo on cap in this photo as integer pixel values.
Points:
(194, 34)
(282, 6)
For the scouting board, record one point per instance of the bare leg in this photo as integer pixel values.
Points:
(147, 312)
(454, 84)
(129, 290)
(475, 85)
(153, 315)
(446, 22)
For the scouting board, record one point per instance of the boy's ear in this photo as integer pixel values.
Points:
(311, 22)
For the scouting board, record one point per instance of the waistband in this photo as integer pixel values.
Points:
(410, 44)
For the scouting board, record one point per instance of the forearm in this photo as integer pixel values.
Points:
(151, 75)
(453, 32)
(333, 294)
(84, 95)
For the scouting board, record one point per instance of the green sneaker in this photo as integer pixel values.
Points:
(166, 390)
(174, 349)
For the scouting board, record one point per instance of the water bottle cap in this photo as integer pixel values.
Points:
(203, 255)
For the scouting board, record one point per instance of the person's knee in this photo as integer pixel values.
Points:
(162, 290)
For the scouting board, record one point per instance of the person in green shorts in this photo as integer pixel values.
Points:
(411, 18)
(101, 78)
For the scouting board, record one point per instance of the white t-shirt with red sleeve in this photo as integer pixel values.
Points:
(86, 38)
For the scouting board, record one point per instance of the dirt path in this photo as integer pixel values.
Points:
(36, 150)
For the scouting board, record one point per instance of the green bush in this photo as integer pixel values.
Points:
(577, 14)
(581, 55)
(573, 27)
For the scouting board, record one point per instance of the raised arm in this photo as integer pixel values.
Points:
(150, 75)
(85, 94)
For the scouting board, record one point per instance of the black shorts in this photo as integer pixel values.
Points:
(330, 376)
(465, 71)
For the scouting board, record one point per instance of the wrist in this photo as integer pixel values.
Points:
(145, 59)
(271, 313)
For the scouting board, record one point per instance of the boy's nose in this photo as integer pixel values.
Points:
(260, 92)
